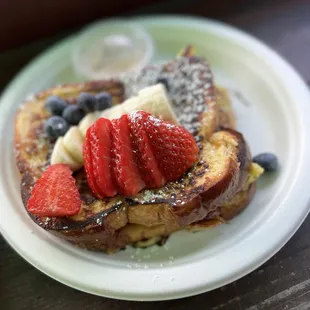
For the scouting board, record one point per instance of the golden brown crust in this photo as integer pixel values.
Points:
(228, 211)
(238, 204)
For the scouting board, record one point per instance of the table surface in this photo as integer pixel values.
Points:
(281, 283)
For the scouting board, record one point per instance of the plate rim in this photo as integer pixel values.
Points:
(173, 19)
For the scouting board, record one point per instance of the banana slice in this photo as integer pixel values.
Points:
(151, 99)
(154, 100)
(61, 156)
(87, 121)
(73, 143)
(114, 112)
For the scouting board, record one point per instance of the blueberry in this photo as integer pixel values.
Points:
(268, 161)
(73, 114)
(87, 102)
(104, 101)
(163, 81)
(55, 105)
(56, 126)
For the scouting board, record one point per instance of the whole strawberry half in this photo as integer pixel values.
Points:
(55, 193)
(136, 151)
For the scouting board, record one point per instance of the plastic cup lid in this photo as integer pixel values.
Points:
(111, 48)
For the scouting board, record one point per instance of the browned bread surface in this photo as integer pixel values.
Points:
(135, 222)
(113, 223)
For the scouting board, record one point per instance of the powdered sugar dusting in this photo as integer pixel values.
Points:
(190, 87)
(175, 193)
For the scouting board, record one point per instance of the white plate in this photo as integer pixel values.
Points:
(275, 119)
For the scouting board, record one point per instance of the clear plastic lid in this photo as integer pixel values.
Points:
(111, 48)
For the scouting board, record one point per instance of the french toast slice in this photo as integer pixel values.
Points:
(112, 223)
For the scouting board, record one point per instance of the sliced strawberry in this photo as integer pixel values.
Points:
(127, 154)
(88, 165)
(55, 193)
(101, 145)
(126, 174)
(145, 159)
(173, 146)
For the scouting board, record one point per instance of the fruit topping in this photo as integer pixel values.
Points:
(73, 143)
(88, 165)
(87, 121)
(101, 145)
(60, 155)
(87, 102)
(145, 158)
(90, 103)
(163, 81)
(56, 126)
(154, 100)
(173, 146)
(55, 193)
(136, 151)
(104, 101)
(151, 99)
(73, 114)
(126, 174)
(115, 112)
(268, 161)
(55, 105)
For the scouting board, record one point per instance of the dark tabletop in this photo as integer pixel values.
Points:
(281, 283)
